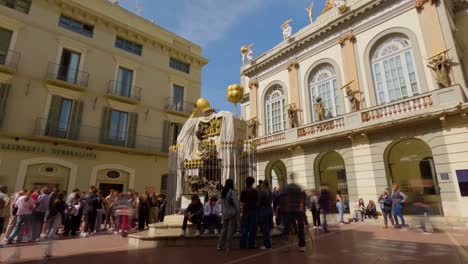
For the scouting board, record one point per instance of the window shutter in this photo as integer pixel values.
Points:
(131, 133)
(53, 117)
(105, 126)
(166, 140)
(75, 120)
(4, 90)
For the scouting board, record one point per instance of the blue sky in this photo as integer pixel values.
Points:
(221, 27)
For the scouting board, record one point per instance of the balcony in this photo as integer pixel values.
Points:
(66, 77)
(91, 136)
(176, 107)
(9, 61)
(123, 92)
(427, 105)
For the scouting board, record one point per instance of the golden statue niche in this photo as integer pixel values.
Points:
(441, 65)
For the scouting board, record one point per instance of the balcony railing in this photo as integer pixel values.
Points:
(89, 134)
(427, 104)
(124, 90)
(20, 5)
(10, 59)
(57, 72)
(179, 106)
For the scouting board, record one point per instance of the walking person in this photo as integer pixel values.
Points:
(91, 204)
(24, 205)
(143, 212)
(398, 199)
(385, 202)
(72, 202)
(276, 193)
(324, 202)
(100, 211)
(315, 208)
(248, 199)
(292, 202)
(4, 203)
(13, 216)
(39, 212)
(54, 216)
(265, 213)
(422, 210)
(230, 210)
(340, 207)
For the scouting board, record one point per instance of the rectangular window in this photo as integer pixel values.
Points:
(76, 26)
(164, 183)
(20, 5)
(69, 65)
(170, 133)
(64, 115)
(178, 99)
(64, 118)
(4, 90)
(128, 45)
(179, 65)
(124, 82)
(118, 126)
(5, 39)
(462, 176)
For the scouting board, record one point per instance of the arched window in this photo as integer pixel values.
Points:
(393, 70)
(323, 84)
(275, 115)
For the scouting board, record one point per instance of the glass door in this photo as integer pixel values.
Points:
(124, 82)
(69, 65)
(178, 102)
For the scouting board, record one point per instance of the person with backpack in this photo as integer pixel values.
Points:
(385, 202)
(398, 198)
(230, 209)
(91, 204)
(54, 214)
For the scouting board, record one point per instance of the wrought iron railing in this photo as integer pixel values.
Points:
(123, 89)
(67, 74)
(179, 106)
(10, 58)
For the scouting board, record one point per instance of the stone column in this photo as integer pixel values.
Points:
(253, 86)
(293, 74)
(430, 25)
(349, 64)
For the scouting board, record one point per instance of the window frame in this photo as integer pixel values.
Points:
(116, 135)
(14, 4)
(128, 46)
(179, 65)
(76, 26)
(269, 111)
(316, 85)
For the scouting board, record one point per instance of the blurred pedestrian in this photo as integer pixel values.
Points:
(292, 202)
(24, 205)
(248, 199)
(422, 210)
(324, 201)
(4, 203)
(230, 210)
(265, 213)
(340, 207)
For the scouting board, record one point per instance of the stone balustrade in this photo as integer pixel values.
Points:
(408, 105)
(322, 126)
(274, 138)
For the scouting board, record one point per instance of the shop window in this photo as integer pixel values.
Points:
(462, 176)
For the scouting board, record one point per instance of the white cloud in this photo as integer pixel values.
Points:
(205, 21)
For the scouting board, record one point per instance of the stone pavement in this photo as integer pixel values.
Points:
(355, 243)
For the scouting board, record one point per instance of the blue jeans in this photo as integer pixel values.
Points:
(22, 222)
(248, 229)
(265, 220)
(324, 219)
(339, 206)
(397, 212)
(423, 221)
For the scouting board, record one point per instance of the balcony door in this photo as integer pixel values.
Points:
(178, 99)
(69, 65)
(64, 118)
(5, 39)
(119, 128)
(124, 82)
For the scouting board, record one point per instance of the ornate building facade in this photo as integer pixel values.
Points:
(90, 94)
(377, 94)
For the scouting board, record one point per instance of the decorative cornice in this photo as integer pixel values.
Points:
(293, 65)
(419, 4)
(348, 37)
(253, 84)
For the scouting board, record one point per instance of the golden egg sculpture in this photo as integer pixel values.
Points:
(235, 93)
(202, 104)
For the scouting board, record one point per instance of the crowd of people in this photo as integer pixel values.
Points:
(46, 214)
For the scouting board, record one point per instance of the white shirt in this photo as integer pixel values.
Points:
(24, 207)
(6, 199)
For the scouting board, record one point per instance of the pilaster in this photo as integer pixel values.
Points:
(293, 74)
(349, 61)
(253, 86)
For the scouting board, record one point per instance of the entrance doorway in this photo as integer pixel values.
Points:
(411, 166)
(332, 173)
(106, 187)
(276, 174)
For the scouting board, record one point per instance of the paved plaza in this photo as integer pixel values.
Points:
(356, 243)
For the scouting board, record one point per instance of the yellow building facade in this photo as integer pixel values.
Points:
(371, 93)
(90, 94)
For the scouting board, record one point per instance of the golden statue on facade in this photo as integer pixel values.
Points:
(441, 65)
(287, 29)
(252, 126)
(293, 116)
(352, 96)
(246, 52)
(319, 109)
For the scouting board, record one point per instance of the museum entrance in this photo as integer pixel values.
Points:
(107, 187)
(411, 166)
(332, 173)
(276, 174)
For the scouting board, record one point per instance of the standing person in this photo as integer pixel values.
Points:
(385, 202)
(265, 213)
(72, 202)
(194, 214)
(292, 203)
(162, 207)
(398, 198)
(39, 211)
(248, 199)
(13, 210)
(109, 206)
(422, 209)
(340, 207)
(315, 208)
(231, 209)
(4, 203)
(324, 201)
(91, 204)
(154, 207)
(276, 193)
(100, 211)
(211, 216)
(24, 205)
(54, 214)
(143, 211)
